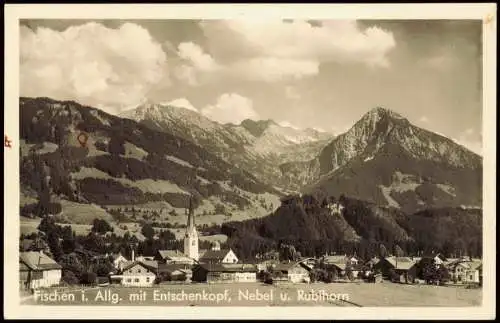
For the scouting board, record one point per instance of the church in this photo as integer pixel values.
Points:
(191, 253)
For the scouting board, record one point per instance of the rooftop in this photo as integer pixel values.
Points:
(38, 261)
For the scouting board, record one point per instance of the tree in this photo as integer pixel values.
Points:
(69, 277)
(104, 269)
(101, 226)
(382, 251)
(55, 247)
(398, 251)
(88, 278)
(148, 231)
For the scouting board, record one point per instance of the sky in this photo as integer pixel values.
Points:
(305, 74)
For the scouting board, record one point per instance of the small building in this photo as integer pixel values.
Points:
(266, 265)
(175, 272)
(465, 271)
(119, 261)
(173, 257)
(342, 262)
(38, 270)
(224, 273)
(294, 272)
(437, 258)
(223, 256)
(404, 267)
(138, 273)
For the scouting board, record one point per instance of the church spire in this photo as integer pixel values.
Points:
(190, 223)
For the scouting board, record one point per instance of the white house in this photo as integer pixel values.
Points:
(119, 261)
(139, 273)
(294, 272)
(38, 270)
(224, 256)
(465, 271)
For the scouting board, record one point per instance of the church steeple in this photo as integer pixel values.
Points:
(190, 222)
(191, 237)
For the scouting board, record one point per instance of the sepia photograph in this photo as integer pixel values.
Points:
(281, 162)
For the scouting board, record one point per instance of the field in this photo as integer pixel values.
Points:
(240, 294)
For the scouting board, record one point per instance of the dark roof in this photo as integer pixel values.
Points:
(231, 268)
(286, 266)
(170, 268)
(214, 254)
(38, 261)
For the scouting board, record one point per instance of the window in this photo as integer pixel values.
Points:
(470, 277)
(139, 270)
(129, 280)
(147, 279)
(136, 280)
(193, 243)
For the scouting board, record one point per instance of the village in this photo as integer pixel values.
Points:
(219, 265)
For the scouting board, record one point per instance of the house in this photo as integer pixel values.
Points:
(266, 265)
(341, 263)
(372, 262)
(437, 258)
(173, 257)
(466, 271)
(175, 272)
(138, 273)
(224, 273)
(223, 256)
(404, 267)
(118, 261)
(294, 272)
(38, 270)
(33, 245)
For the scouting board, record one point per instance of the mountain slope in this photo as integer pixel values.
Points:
(359, 229)
(123, 162)
(256, 146)
(385, 159)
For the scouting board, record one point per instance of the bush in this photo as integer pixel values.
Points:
(88, 278)
(70, 278)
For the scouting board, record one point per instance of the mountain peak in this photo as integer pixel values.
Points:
(380, 112)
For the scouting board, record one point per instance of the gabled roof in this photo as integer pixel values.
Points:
(230, 268)
(174, 255)
(214, 255)
(38, 261)
(151, 265)
(286, 266)
(403, 263)
(115, 256)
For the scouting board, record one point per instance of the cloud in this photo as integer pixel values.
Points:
(285, 123)
(292, 93)
(278, 50)
(181, 103)
(423, 119)
(231, 108)
(93, 64)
